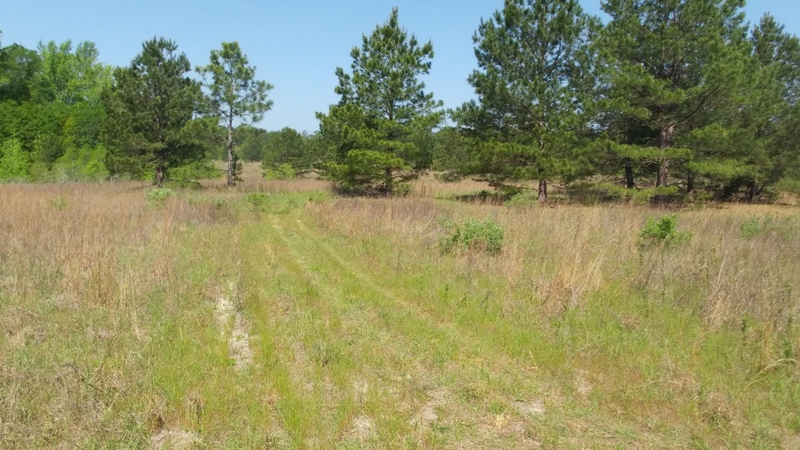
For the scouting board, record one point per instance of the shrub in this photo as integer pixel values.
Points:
(81, 164)
(59, 203)
(196, 170)
(523, 199)
(159, 195)
(257, 200)
(14, 162)
(754, 226)
(282, 172)
(662, 231)
(484, 235)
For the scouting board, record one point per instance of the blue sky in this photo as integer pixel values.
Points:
(295, 45)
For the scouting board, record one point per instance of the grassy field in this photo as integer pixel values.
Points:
(277, 316)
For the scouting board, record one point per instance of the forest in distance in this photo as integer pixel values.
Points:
(671, 100)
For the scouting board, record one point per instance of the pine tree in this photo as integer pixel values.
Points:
(670, 65)
(383, 108)
(533, 82)
(233, 96)
(149, 110)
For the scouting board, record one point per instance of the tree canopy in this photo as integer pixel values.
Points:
(533, 82)
(150, 107)
(383, 106)
(234, 96)
(666, 100)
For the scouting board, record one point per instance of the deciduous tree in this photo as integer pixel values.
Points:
(70, 75)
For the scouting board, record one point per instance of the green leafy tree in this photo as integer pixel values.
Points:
(670, 64)
(382, 111)
(234, 96)
(286, 147)
(81, 164)
(14, 161)
(18, 67)
(533, 81)
(250, 142)
(70, 76)
(150, 109)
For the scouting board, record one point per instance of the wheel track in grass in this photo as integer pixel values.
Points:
(412, 307)
(303, 418)
(330, 298)
(342, 271)
(329, 285)
(387, 302)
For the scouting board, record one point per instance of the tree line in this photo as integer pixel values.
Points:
(65, 116)
(666, 99)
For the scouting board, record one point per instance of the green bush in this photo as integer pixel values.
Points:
(257, 200)
(80, 164)
(485, 235)
(754, 226)
(14, 162)
(523, 199)
(662, 232)
(282, 172)
(196, 170)
(159, 195)
(59, 203)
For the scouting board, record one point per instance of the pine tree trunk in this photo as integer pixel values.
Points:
(629, 184)
(388, 182)
(231, 162)
(663, 172)
(542, 191)
(666, 139)
(689, 183)
(160, 175)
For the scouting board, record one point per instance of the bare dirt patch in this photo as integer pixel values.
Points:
(174, 439)
(533, 408)
(239, 339)
(362, 428)
(427, 414)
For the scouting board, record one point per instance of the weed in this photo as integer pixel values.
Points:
(59, 203)
(485, 235)
(755, 226)
(523, 199)
(662, 232)
(159, 195)
(257, 200)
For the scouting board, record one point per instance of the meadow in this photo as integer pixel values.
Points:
(276, 315)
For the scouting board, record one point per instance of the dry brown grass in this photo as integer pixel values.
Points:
(561, 255)
(253, 181)
(365, 335)
(79, 266)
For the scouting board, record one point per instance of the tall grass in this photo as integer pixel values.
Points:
(364, 333)
(564, 254)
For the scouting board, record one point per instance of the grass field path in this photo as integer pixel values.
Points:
(377, 363)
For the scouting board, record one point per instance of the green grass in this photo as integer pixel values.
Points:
(364, 334)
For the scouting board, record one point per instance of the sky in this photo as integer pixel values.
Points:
(295, 45)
